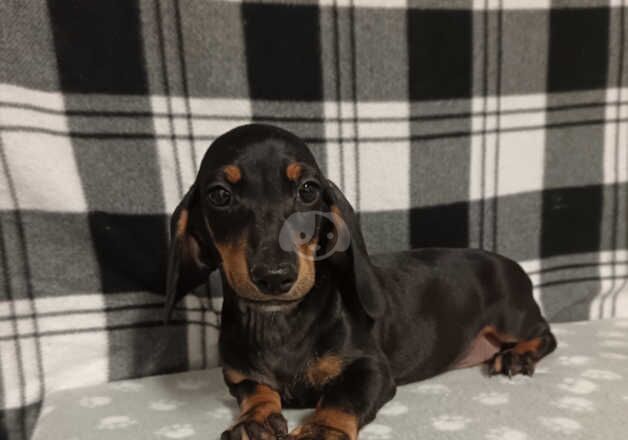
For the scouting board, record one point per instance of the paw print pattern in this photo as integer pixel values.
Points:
(601, 375)
(127, 386)
(192, 384)
(560, 425)
(505, 433)
(450, 423)
(431, 388)
(176, 431)
(515, 380)
(94, 401)
(573, 361)
(165, 405)
(577, 386)
(220, 413)
(393, 409)
(558, 331)
(492, 398)
(613, 356)
(376, 431)
(116, 422)
(614, 343)
(573, 403)
(611, 334)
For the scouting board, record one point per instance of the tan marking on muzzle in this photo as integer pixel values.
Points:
(236, 270)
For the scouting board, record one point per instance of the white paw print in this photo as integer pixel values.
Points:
(431, 388)
(571, 361)
(450, 423)
(220, 413)
(558, 331)
(625, 397)
(176, 431)
(505, 433)
(614, 356)
(611, 334)
(492, 398)
(561, 425)
(519, 379)
(127, 386)
(601, 375)
(614, 343)
(192, 384)
(116, 422)
(573, 403)
(393, 409)
(165, 405)
(94, 401)
(375, 431)
(562, 344)
(577, 386)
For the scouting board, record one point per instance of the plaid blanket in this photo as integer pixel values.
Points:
(498, 124)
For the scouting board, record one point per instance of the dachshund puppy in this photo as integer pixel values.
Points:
(309, 319)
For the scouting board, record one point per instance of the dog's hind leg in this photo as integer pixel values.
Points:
(519, 354)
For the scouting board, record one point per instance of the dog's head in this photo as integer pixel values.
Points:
(262, 211)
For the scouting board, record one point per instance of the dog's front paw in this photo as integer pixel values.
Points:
(314, 431)
(254, 428)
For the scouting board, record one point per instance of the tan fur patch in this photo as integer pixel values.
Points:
(293, 171)
(237, 271)
(236, 268)
(232, 173)
(182, 223)
(261, 404)
(338, 420)
(323, 369)
(531, 346)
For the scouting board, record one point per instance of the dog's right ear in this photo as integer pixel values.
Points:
(192, 255)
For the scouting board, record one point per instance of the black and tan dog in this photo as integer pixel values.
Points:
(338, 333)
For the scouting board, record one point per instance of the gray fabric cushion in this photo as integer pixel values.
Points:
(580, 391)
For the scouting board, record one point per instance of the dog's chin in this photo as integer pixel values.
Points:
(268, 306)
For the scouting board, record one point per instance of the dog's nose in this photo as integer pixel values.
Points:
(274, 280)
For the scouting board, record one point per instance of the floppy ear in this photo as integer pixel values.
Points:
(192, 255)
(365, 276)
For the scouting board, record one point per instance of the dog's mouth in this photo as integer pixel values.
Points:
(271, 305)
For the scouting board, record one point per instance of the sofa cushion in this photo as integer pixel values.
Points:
(579, 391)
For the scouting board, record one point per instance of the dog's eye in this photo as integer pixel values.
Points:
(219, 196)
(308, 192)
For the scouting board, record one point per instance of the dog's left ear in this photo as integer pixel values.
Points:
(192, 255)
(366, 279)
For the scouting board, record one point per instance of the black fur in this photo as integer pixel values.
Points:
(391, 319)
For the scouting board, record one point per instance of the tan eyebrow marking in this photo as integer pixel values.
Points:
(293, 171)
(232, 173)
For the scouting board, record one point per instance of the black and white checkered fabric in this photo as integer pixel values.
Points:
(498, 124)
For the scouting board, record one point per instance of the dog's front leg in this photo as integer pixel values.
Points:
(349, 402)
(260, 412)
